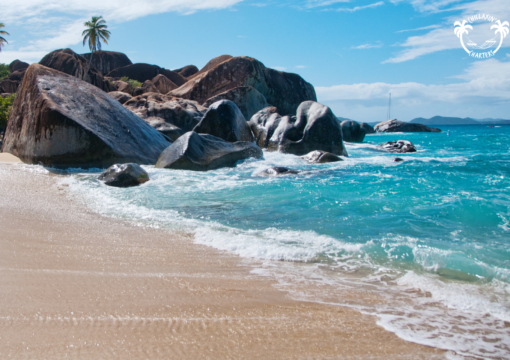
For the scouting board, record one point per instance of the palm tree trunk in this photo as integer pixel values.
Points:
(88, 67)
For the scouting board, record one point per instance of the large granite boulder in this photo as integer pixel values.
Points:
(163, 84)
(247, 99)
(400, 126)
(321, 157)
(9, 86)
(263, 124)
(224, 120)
(283, 90)
(211, 64)
(187, 71)
(315, 127)
(352, 131)
(368, 129)
(399, 146)
(169, 130)
(147, 87)
(123, 86)
(202, 152)
(17, 65)
(120, 96)
(106, 61)
(181, 113)
(124, 175)
(69, 62)
(142, 72)
(61, 121)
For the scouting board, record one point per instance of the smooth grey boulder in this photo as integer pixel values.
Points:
(225, 120)
(248, 99)
(202, 152)
(399, 146)
(314, 128)
(321, 157)
(165, 128)
(352, 131)
(61, 121)
(120, 96)
(124, 175)
(277, 171)
(263, 124)
(400, 126)
(368, 129)
(184, 114)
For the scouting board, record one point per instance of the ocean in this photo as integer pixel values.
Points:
(423, 244)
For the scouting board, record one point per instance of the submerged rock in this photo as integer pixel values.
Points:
(277, 171)
(399, 146)
(202, 152)
(352, 131)
(398, 160)
(61, 121)
(400, 126)
(321, 157)
(247, 99)
(124, 175)
(225, 120)
(314, 128)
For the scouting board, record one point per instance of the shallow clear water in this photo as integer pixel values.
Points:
(439, 222)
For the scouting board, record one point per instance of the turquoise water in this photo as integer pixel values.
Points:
(438, 222)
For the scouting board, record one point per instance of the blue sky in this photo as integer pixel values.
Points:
(353, 51)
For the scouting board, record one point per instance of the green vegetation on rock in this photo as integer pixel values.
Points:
(4, 71)
(131, 82)
(5, 109)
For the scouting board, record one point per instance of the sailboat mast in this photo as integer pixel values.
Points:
(389, 108)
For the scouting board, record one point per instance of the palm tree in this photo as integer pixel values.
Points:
(502, 30)
(95, 32)
(460, 30)
(2, 40)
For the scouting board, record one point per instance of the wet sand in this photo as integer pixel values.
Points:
(74, 284)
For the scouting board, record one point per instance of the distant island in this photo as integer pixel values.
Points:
(444, 120)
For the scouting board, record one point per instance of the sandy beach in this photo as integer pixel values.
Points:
(78, 285)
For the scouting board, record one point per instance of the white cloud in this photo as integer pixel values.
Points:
(319, 3)
(367, 46)
(301, 66)
(427, 5)
(421, 28)
(357, 8)
(279, 68)
(485, 88)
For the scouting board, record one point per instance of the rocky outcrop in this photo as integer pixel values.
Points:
(212, 64)
(277, 171)
(106, 61)
(352, 131)
(399, 146)
(171, 131)
(283, 90)
(202, 152)
(163, 84)
(17, 65)
(182, 114)
(147, 87)
(400, 126)
(368, 129)
(247, 99)
(224, 120)
(124, 175)
(263, 124)
(60, 121)
(11, 83)
(142, 72)
(315, 127)
(120, 96)
(187, 71)
(123, 86)
(69, 62)
(321, 157)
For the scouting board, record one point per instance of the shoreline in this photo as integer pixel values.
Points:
(82, 285)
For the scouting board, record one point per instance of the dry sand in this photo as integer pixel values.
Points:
(76, 285)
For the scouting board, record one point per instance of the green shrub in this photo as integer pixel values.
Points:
(131, 82)
(5, 109)
(4, 71)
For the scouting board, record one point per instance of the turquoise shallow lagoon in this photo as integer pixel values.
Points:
(431, 232)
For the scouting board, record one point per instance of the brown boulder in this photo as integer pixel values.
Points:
(60, 121)
(120, 96)
(283, 90)
(69, 62)
(142, 72)
(163, 84)
(106, 61)
(187, 71)
(212, 64)
(247, 98)
(147, 87)
(18, 65)
(123, 87)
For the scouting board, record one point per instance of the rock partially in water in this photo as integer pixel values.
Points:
(225, 120)
(321, 157)
(247, 99)
(314, 128)
(368, 129)
(263, 124)
(61, 121)
(202, 152)
(277, 171)
(399, 146)
(352, 131)
(398, 159)
(124, 175)
(120, 96)
(401, 126)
